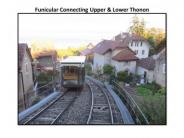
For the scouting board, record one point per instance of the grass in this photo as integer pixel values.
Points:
(154, 108)
(143, 91)
(152, 102)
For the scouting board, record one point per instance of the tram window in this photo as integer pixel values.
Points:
(70, 70)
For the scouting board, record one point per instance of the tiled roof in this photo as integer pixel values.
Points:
(121, 40)
(147, 63)
(85, 52)
(47, 53)
(135, 37)
(22, 49)
(106, 45)
(129, 37)
(125, 54)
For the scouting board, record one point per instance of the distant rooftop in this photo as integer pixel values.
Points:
(147, 63)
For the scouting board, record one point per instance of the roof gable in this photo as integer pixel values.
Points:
(125, 55)
(85, 52)
(52, 54)
(22, 49)
(147, 63)
(107, 45)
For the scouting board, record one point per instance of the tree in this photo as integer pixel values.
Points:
(138, 26)
(154, 35)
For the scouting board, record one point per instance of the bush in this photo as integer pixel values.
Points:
(44, 77)
(88, 69)
(154, 108)
(107, 69)
(161, 91)
(123, 76)
(153, 87)
(143, 91)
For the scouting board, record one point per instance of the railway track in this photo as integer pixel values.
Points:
(54, 110)
(101, 112)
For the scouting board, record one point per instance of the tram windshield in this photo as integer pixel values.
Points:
(70, 73)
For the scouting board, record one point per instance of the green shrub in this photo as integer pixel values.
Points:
(107, 69)
(44, 77)
(88, 69)
(154, 108)
(161, 91)
(143, 91)
(123, 76)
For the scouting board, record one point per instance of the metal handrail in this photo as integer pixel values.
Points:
(45, 85)
(130, 101)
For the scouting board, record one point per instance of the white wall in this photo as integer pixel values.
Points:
(107, 57)
(97, 60)
(27, 75)
(149, 74)
(100, 60)
(145, 46)
(123, 66)
(160, 76)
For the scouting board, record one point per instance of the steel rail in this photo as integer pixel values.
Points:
(107, 98)
(45, 108)
(92, 103)
(65, 109)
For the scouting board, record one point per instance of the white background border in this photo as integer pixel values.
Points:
(8, 102)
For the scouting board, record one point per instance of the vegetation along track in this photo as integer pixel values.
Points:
(54, 110)
(101, 112)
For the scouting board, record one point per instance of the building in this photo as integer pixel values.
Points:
(160, 68)
(103, 53)
(47, 60)
(116, 53)
(88, 52)
(25, 76)
(137, 43)
(145, 68)
(125, 60)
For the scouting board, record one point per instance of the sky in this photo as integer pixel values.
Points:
(73, 30)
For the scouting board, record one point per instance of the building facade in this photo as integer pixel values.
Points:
(145, 68)
(160, 68)
(25, 77)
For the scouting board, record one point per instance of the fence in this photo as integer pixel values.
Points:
(132, 106)
(53, 84)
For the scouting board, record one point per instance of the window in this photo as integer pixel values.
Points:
(132, 43)
(163, 68)
(141, 43)
(143, 52)
(135, 43)
(136, 51)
